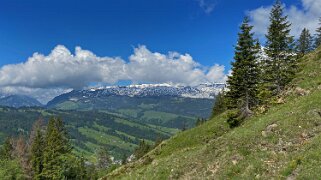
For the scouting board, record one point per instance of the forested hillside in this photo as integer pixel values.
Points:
(168, 111)
(88, 130)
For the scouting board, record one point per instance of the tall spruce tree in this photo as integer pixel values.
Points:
(243, 82)
(304, 43)
(37, 153)
(318, 36)
(57, 149)
(280, 66)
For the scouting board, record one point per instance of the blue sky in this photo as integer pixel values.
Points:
(113, 27)
(127, 40)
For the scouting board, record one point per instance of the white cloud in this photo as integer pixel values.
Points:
(62, 69)
(46, 76)
(207, 5)
(145, 66)
(305, 17)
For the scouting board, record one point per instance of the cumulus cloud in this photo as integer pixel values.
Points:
(207, 5)
(145, 66)
(61, 70)
(304, 17)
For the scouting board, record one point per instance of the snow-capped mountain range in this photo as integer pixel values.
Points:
(204, 91)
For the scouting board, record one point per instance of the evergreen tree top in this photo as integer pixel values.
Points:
(278, 36)
(318, 35)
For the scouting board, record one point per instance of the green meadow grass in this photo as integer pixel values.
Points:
(289, 150)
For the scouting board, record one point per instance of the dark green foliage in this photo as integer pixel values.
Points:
(11, 170)
(81, 171)
(317, 42)
(243, 82)
(219, 105)
(124, 159)
(281, 64)
(304, 44)
(37, 153)
(180, 108)
(74, 167)
(142, 149)
(6, 149)
(56, 152)
(234, 118)
(10, 164)
(46, 155)
(14, 121)
(91, 171)
(200, 121)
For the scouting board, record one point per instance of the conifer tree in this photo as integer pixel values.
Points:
(57, 148)
(318, 36)
(37, 125)
(37, 153)
(280, 67)
(124, 159)
(243, 82)
(304, 43)
(142, 149)
(81, 170)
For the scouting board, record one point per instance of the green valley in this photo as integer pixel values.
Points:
(88, 130)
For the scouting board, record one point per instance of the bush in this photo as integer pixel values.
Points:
(234, 119)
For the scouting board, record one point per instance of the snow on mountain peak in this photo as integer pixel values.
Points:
(204, 91)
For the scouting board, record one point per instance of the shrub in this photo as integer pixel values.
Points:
(234, 119)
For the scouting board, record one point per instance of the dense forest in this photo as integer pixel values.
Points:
(47, 153)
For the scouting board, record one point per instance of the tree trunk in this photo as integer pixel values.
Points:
(246, 112)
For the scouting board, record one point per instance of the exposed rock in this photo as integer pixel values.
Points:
(280, 101)
(301, 92)
(304, 135)
(271, 127)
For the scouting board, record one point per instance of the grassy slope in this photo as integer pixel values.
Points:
(292, 149)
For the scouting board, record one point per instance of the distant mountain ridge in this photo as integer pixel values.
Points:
(158, 104)
(202, 91)
(18, 101)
